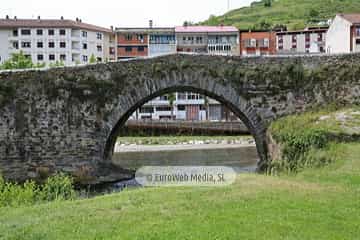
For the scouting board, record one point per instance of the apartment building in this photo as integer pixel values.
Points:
(343, 35)
(143, 42)
(50, 40)
(257, 43)
(187, 106)
(309, 40)
(214, 40)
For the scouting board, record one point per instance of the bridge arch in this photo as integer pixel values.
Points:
(226, 95)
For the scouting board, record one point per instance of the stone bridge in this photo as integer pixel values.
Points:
(67, 119)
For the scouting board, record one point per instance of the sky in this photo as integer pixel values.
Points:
(121, 13)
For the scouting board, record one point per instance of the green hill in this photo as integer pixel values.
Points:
(295, 14)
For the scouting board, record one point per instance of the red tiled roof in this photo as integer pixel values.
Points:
(206, 29)
(49, 23)
(353, 18)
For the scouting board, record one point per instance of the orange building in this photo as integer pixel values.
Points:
(132, 42)
(256, 43)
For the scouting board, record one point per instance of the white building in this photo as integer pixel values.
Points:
(344, 34)
(49, 41)
(186, 106)
(309, 40)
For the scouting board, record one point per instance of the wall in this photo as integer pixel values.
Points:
(68, 119)
(338, 36)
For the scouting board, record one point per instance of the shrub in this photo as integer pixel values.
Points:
(58, 187)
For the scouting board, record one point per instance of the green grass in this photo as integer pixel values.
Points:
(164, 140)
(293, 13)
(319, 202)
(315, 204)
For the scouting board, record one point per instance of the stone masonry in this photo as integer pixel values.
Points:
(67, 119)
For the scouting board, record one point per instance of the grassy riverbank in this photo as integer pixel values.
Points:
(318, 202)
(315, 204)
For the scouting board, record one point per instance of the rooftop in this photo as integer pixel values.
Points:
(205, 29)
(354, 18)
(145, 30)
(49, 23)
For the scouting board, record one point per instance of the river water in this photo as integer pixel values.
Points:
(241, 158)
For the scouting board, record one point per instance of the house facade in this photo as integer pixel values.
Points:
(144, 42)
(49, 41)
(257, 43)
(309, 40)
(344, 34)
(214, 40)
(186, 106)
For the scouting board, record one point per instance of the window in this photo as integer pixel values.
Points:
(84, 34)
(99, 36)
(253, 42)
(140, 37)
(294, 38)
(52, 57)
(40, 57)
(128, 37)
(266, 42)
(62, 57)
(163, 109)
(357, 41)
(39, 32)
(85, 58)
(357, 30)
(15, 33)
(84, 45)
(51, 32)
(99, 59)
(146, 110)
(62, 32)
(16, 45)
(51, 44)
(307, 37)
(128, 49)
(141, 49)
(62, 44)
(25, 32)
(40, 44)
(99, 48)
(27, 56)
(181, 107)
(320, 37)
(26, 44)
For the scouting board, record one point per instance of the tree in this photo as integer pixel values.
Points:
(18, 61)
(92, 59)
(267, 3)
(171, 98)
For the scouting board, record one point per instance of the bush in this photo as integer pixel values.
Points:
(58, 187)
(12, 194)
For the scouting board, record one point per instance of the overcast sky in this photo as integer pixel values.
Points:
(120, 13)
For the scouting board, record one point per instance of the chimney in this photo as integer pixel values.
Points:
(38, 18)
(112, 28)
(15, 18)
(150, 23)
(80, 20)
(77, 19)
(62, 18)
(7, 17)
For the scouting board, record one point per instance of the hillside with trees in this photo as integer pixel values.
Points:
(294, 14)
